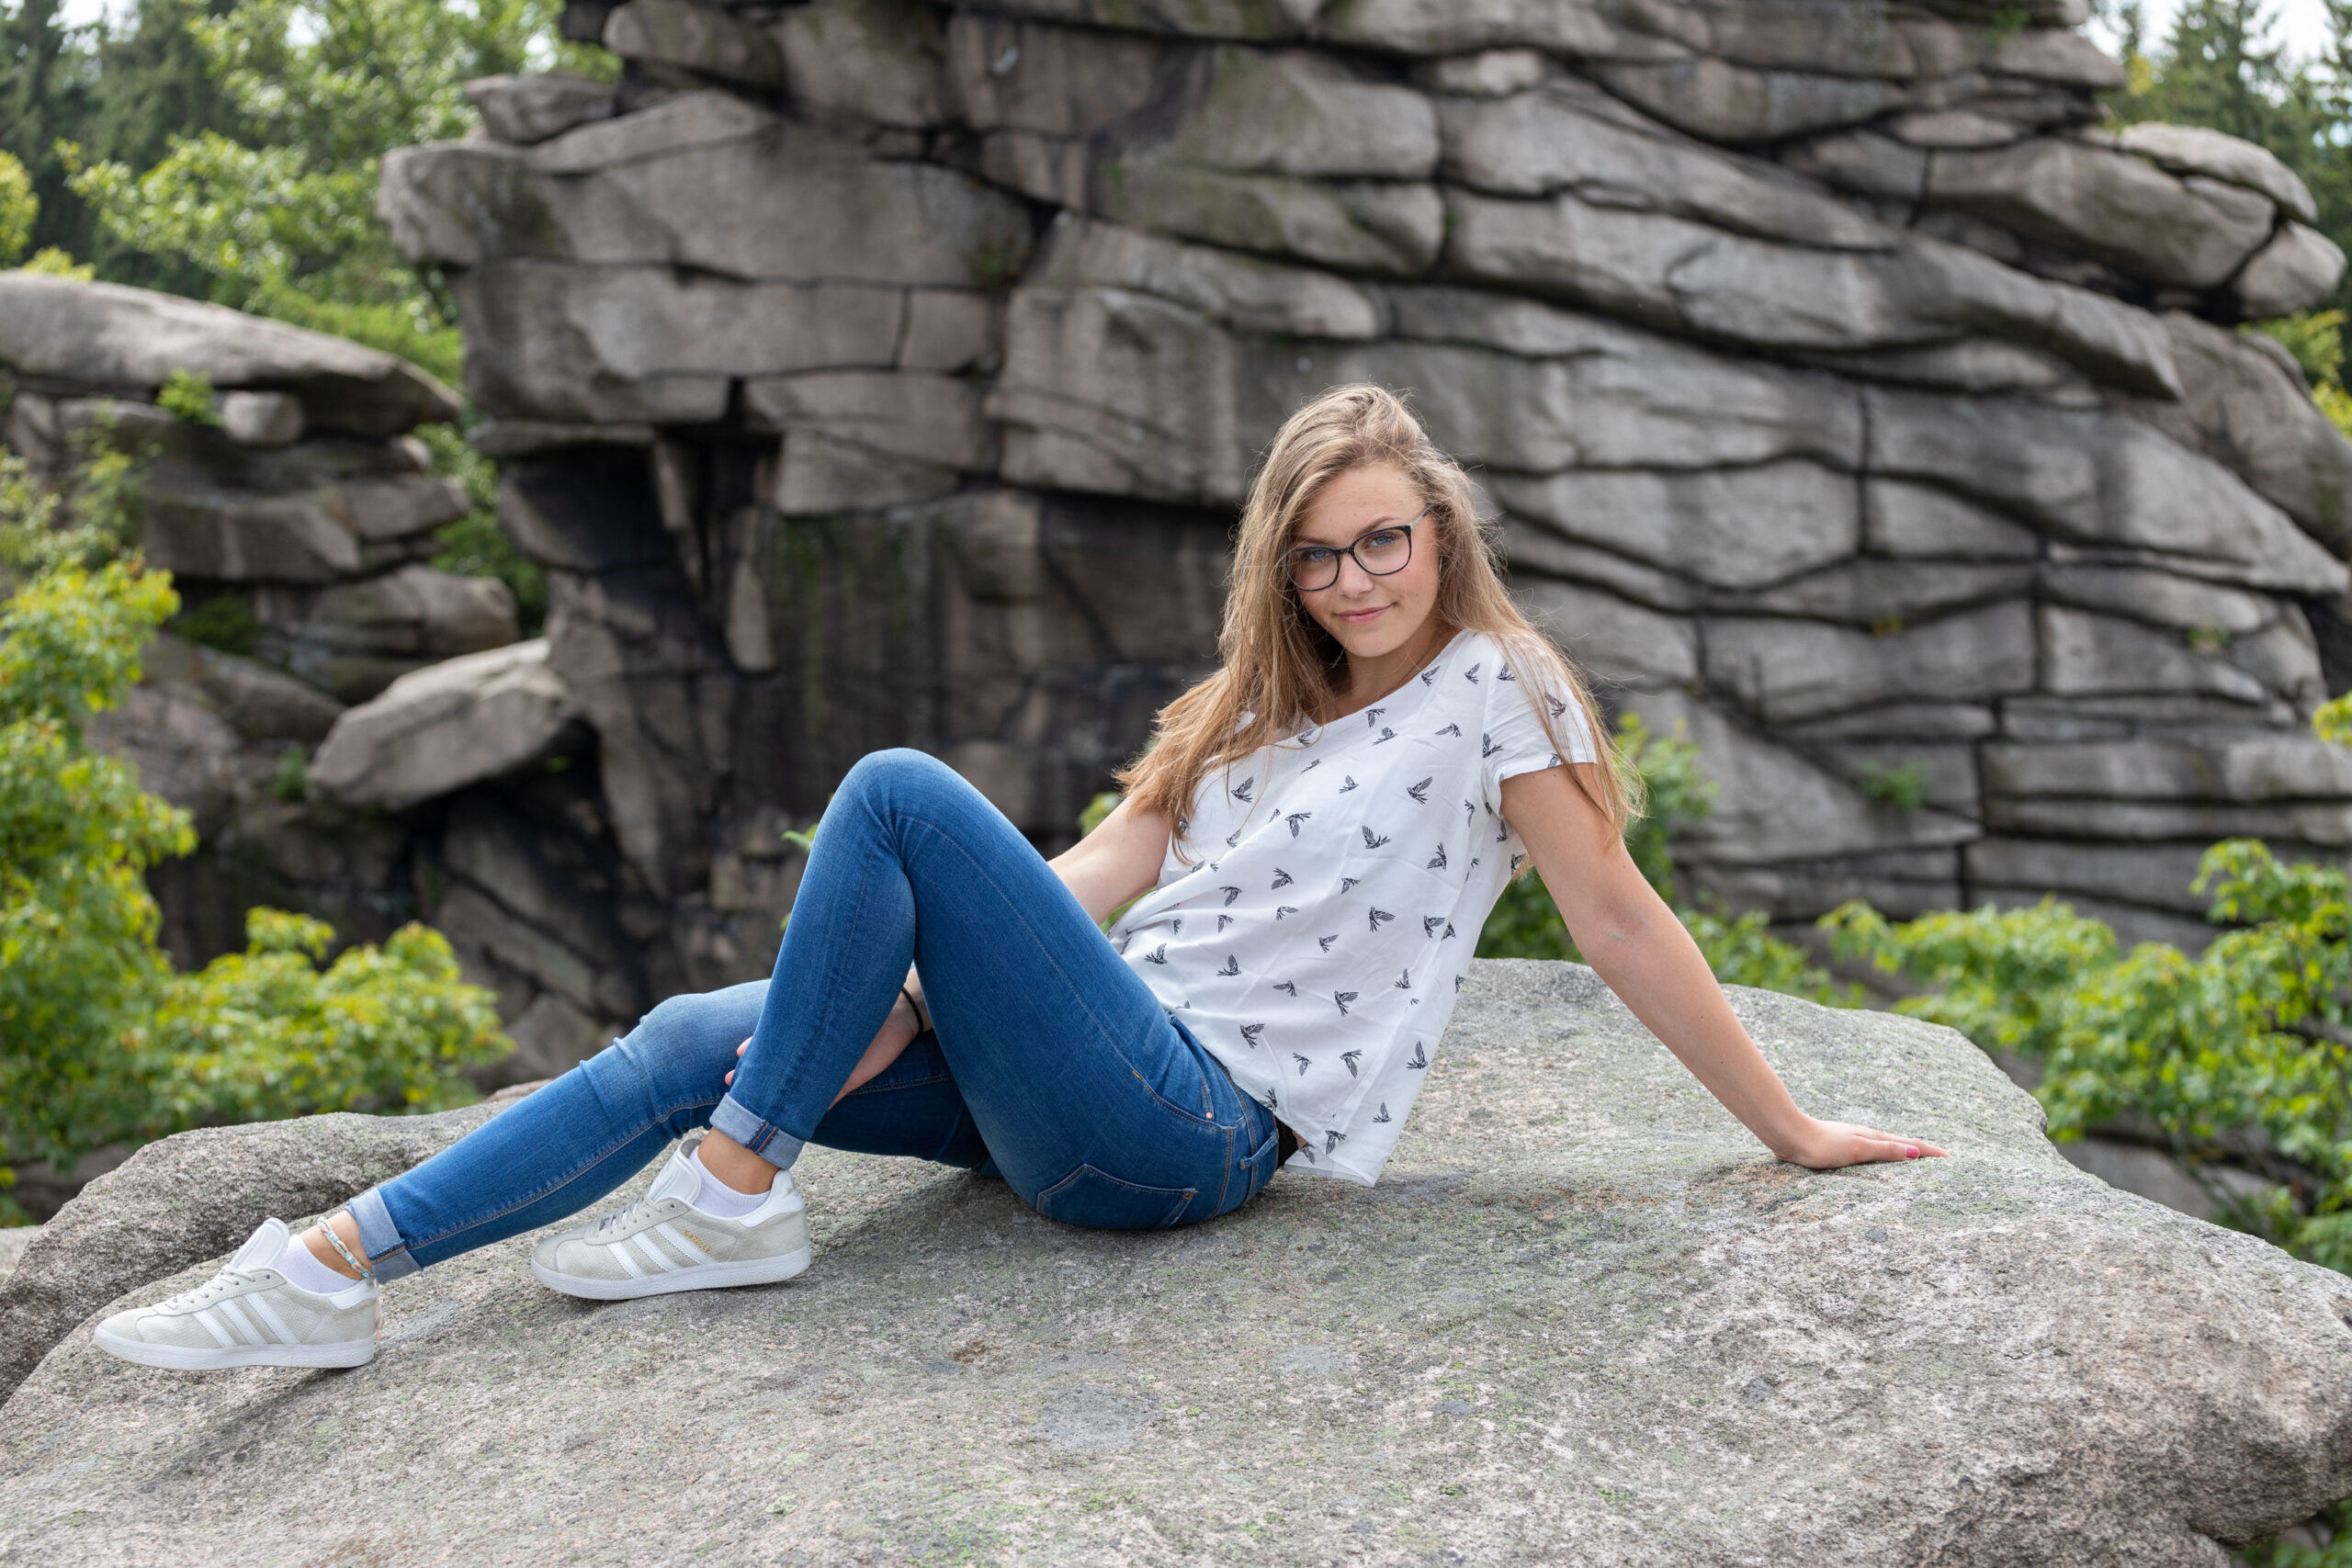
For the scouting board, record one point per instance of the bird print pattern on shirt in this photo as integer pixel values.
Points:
(1454, 734)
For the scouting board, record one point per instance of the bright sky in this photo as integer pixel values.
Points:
(2300, 25)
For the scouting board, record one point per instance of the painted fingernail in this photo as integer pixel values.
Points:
(1910, 1153)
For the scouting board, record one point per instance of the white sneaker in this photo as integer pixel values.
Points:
(663, 1243)
(249, 1314)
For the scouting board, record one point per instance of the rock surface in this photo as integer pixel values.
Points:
(1583, 1319)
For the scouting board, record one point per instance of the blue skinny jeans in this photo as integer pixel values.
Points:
(1049, 1063)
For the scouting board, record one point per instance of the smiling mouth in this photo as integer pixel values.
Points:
(1356, 617)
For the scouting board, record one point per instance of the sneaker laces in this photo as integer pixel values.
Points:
(204, 1296)
(622, 1219)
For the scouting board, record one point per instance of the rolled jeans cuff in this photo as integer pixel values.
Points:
(380, 1239)
(766, 1139)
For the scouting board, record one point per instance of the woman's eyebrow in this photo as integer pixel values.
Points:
(1300, 542)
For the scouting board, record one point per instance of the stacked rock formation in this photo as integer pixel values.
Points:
(297, 524)
(876, 373)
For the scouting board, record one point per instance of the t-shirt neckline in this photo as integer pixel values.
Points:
(1314, 732)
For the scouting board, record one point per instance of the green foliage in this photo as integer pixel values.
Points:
(271, 1033)
(1904, 787)
(187, 395)
(2244, 1051)
(19, 208)
(2332, 720)
(1678, 792)
(272, 206)
(475, 546)
(2336, 1554)
(291, 781)
(225, 621)
(105, 1043)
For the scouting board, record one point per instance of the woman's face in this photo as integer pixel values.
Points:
(1370, 617)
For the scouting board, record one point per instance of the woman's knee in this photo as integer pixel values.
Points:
(687, 1044)
(882, 775)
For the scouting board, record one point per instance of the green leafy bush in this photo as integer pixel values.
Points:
(104, 1042)
(187, 395)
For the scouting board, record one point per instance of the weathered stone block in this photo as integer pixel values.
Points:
(106, 335)
(2184, 232)
(613, 344)
(1723, 102)
(702, 38)
(1728, 527)
(2194, 150)
(1570, 137)
(1616, 642)
(444, 726)
(2296, 271)
(2096, 479)
(530, 108)
(1792, 669)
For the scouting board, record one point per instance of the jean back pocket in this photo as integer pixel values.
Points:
(1101, 1202)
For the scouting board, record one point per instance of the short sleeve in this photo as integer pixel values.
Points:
(1515, 740)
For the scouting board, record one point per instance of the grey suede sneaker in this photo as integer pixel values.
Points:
(661, 1243)
(249, 1314)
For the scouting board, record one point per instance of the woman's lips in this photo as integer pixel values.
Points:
(1362, 618)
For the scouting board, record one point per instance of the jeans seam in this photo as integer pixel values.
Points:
(411, 1244)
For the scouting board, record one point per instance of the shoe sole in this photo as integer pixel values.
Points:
(185, 1358)
(700, 1277)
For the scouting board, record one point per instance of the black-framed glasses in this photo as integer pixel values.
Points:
(1379, 551)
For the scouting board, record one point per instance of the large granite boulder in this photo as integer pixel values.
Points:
(1584, 1318)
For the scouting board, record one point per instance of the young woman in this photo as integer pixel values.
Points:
(1311, 849)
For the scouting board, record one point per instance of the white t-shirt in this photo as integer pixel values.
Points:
(1341, 878)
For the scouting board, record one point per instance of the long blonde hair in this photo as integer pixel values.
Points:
(1280, 668)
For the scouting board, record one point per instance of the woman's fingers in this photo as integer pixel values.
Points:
(743, 1047)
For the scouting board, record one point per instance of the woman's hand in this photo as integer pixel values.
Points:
(1825, 1146)
(898, 1033)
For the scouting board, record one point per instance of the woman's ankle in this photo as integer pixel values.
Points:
(734, 1165)
(314, 1242)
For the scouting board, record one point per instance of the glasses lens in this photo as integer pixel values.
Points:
(1312, 570)
(1386, 551)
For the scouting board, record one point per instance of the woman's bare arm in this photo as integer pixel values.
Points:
(1635, 943)
(1117, 862)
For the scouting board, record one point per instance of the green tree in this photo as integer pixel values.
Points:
(103, 1042)
(277, 209)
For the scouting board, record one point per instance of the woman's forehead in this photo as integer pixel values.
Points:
(1360, 499)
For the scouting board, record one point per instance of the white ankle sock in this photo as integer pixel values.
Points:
(304, 1269)
(718, 1199)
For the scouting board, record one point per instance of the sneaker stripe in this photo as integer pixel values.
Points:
(236, 1319)
(687, 1250)
(654, 1255)
(220, 1336)
(622, 1256)
(268, 1314)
